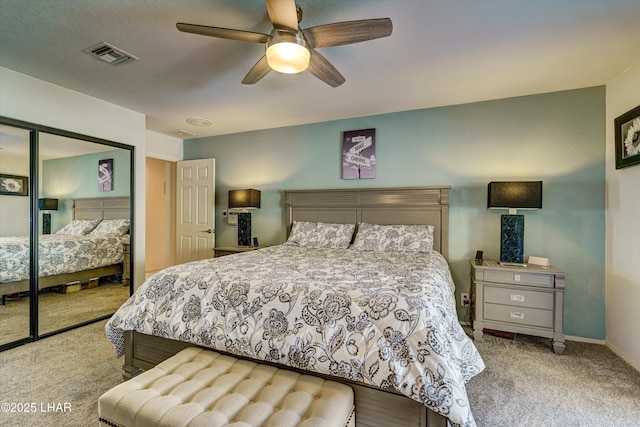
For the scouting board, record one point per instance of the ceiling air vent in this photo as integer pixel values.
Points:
(110, 54)
(181, 133)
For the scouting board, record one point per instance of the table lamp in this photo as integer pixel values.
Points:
(244, 200)
(47, 205)
(513, 196)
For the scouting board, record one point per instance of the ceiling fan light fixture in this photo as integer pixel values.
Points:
(287, 52)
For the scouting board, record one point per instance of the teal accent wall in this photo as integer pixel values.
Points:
(75, 177)
(558, 138)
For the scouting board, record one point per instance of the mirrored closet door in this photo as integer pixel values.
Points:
(14, 234)
(84, 209)
(78, 215)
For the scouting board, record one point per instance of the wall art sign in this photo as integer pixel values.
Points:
(14, 185)
(628, 138)
(105, 175)
(359, 154)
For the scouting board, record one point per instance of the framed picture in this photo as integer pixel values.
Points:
(628, 139)
(359, 154)
(105, 175)
(14, 185)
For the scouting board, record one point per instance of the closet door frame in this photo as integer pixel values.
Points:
(34, 191)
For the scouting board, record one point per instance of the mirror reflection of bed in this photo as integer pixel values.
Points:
(69, 295)
(86, 297)
(83, 275)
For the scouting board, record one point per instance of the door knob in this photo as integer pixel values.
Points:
(210, 231)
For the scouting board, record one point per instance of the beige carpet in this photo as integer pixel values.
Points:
(58, 311)
(525, 384)
(74, 367)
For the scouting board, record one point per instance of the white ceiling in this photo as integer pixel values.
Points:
(442, 52)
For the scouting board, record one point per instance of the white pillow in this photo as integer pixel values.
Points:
(111, 227)
(320, 235)
(79, 227)
(394, 238)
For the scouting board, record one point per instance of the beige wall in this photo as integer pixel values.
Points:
(162, 152)
(156, 215)
(623, 228)
(163, 147)
(160, 218)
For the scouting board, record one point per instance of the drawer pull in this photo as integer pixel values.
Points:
(517, 298)
(516, 315)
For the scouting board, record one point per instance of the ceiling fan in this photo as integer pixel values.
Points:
(290, 49)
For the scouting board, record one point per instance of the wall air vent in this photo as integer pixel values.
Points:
(110, 54)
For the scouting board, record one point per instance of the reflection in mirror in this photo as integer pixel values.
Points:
(14, 234)
(84, 219)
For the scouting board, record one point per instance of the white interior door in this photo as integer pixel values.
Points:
(195, 207)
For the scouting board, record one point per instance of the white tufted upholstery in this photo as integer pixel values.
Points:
(198, 388)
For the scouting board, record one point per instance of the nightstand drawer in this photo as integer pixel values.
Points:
(519, 278)
(519, 315)
(518, 297)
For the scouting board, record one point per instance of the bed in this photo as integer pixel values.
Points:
(384, 323)
(63, 258)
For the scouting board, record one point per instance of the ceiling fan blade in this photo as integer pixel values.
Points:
(283, 14)
(322, 69)
(341, 33)
(257, 72)
(223, 33)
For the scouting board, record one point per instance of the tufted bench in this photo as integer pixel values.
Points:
(198, 388)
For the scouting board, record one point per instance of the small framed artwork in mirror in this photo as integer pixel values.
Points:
(14, 185)
(105, 175)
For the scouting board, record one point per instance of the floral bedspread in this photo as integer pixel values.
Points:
(386, 319)
(58, 254)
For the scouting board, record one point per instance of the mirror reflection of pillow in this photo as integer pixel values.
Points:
(111, 227)
(79, 227)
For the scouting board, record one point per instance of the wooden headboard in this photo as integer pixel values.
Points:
(102, 208)
(409, 205)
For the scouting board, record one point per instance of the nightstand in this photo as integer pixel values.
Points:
(229, 250)
(524, 300)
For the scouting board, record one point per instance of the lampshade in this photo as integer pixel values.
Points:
(48, 204)
(287, 52)
(244, 199)
(515, 195)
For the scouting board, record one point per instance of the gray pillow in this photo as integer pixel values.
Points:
(320, 235)
(394, 238)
